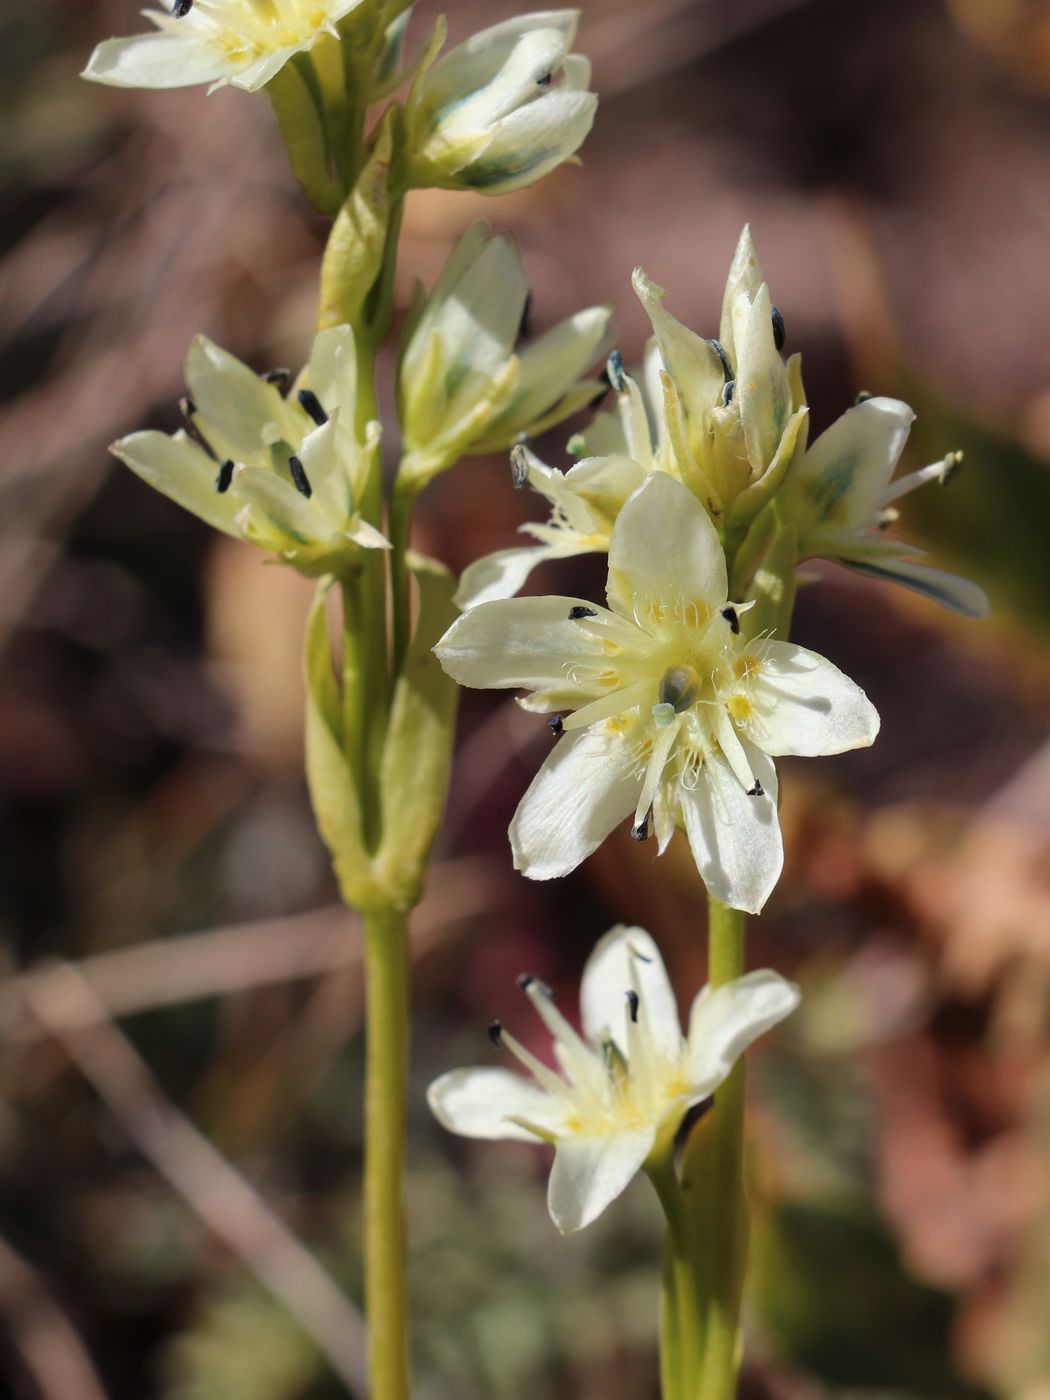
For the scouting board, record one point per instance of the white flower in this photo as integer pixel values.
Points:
(625, 1085)
(675, 713)
(503, 109)
(282, 472)
(839, 496)
(586, 501)
(462, 386)
(241, 42)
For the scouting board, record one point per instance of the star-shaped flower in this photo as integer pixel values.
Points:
(839, 495)
(675, 715)
(241, 42)
(283, 472)
(625, 1084)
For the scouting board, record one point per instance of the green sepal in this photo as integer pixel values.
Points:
(299, 108)
(333, 788)
(413, 779)
(353, 258)
(772, 587)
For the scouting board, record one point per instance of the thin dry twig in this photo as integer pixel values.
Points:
(224, 961)
(231, 1208)
(40, 1332)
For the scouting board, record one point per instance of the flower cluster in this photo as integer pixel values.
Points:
(626, 1084)
(728, 418)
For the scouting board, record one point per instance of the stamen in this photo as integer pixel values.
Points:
(527, 980)
(299, 477)
(633, 1002)
(279, 378)
(757, 791)
(720, 351)
(545, 81)
(495, 1034)
(617, 374)
(779, 330)
(312, 404)
(576, 613)
(730, 616)
(862, 397)
(729, 391)
(222, 481)
(181, 8)
(519, 465)
(640, 830)
(188, 408)
(556, 725)
(525, 324)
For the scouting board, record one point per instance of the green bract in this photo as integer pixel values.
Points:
(283, 472)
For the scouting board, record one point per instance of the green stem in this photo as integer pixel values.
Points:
(386, 1009)
(713, 1182)
(401, 504)
(680, 1310)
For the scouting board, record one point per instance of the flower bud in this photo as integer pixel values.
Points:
(503, 109)
(463, 388)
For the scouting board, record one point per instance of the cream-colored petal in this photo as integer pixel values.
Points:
(735, 838)
(530, 643)
(839, 483)
(666, 553)
(590, 1172)
(502, 574)
(583, 791)
(745, 275)
(248, 411)
(804, 705)
(480, 1103)
(723, 1022)
(532, 141)
(627, 959)
(332, 372)
(959, 594)
(178, 468)
(163, 59)
(762, 387)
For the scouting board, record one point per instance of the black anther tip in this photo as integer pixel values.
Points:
(862, 397)
(757, 791)
(279, 378)
(519, 466)
(633, 1004)
(225, 476)
(187, 407)
(720, 351)
(575, 614)
(495, 1034)
(616, 371)
(640, 831)
(779, 329)
(544, 80)
(312, 404)
(734, 622)
(728, 391)
(299, 477)
(556, 725)
(181, 8)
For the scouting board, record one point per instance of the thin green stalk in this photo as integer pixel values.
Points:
(679, 1303)
(400, 534)
(714, 1185)
(386, 1029)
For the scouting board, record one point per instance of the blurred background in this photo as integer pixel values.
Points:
(180, 998)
